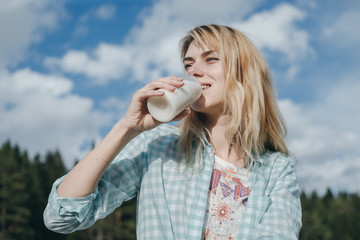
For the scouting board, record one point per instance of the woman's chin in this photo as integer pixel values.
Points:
(198, 104)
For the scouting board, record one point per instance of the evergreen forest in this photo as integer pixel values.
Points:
(25, 184)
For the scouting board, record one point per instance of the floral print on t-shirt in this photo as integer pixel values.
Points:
(228, 194)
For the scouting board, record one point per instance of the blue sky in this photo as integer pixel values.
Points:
(69, 68)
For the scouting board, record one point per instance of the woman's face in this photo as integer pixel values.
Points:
(205, 64)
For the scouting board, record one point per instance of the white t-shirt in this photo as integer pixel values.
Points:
(228, 194)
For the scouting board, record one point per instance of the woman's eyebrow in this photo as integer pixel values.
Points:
(207, 53)
(188, 59)
(203, 55)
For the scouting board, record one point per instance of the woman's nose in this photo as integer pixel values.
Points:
(196, 70)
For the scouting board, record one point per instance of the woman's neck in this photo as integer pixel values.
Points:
(217, 128)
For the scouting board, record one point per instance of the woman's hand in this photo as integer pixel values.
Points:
(137, 116)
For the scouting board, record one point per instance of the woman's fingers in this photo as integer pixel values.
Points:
(152, 89)
(145, 94)
(167, 83)
(137, 115)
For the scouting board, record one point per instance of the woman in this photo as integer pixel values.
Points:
(224, 173)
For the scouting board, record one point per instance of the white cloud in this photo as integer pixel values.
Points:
(40, 113)
(276, 30)
(116, 107)
(341, 31)
(106, 62)
(168, 17)
(105, 12)
(23, 23)
(339, 174)
(325, 138)
(81, 30)
(151, 49)
(339, 106)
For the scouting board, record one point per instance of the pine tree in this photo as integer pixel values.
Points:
(14, 220)
(36, 186)
(314, 224)
(355, 216)
(342, 217)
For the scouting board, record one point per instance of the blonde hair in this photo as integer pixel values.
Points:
(256, 125)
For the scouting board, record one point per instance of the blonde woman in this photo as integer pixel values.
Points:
(223, 173)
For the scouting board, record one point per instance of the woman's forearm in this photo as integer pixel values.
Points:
(84, 177)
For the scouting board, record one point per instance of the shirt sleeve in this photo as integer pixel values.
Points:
(120, 182)
(282, 217)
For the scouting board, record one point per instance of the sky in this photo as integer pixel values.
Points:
(68, 70)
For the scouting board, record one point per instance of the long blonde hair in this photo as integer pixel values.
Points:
(256, 124)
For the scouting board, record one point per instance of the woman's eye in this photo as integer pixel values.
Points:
(211, 59)
(186, 66)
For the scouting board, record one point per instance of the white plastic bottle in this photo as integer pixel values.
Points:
(165, 108)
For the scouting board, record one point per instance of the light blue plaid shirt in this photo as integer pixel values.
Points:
(172, 200)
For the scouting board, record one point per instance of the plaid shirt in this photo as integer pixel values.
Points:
(172, 199)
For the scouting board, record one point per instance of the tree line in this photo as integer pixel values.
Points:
(25, 184)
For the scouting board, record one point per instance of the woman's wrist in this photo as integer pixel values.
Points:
(125, 131)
